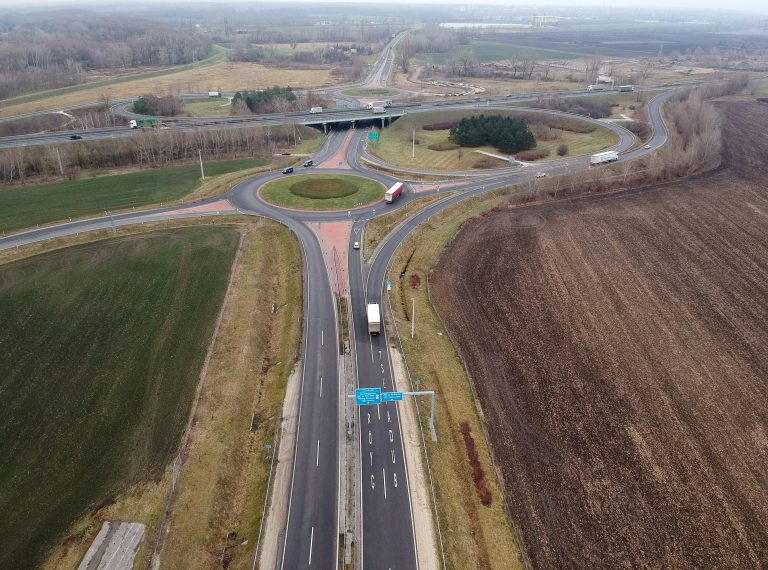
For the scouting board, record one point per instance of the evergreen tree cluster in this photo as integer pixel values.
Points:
(506, 134)
(264, 101)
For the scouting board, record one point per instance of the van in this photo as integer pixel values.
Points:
(314, 110)
(288, 170)
(309, 163)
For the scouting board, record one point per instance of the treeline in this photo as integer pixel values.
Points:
(43, 51)
(506, 134)
(243, 50)
(360, 33)
(274, 99)
(165, 105)
(150, 149)
(595, 107)
(694, 145)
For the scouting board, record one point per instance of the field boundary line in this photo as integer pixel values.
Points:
(421, 430)
(518, 534)
(168, 502)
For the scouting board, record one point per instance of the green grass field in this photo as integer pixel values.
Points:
(102, 346)
(322, 191)
(370, 92)
(395, 146)
(214, 107)
(26, 206)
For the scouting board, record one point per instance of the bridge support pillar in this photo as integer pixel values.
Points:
(353, 125)
(325, 128)
(382, 122)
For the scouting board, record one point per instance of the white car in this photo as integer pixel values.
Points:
(356, 245)
(541, 174)
(647, 146)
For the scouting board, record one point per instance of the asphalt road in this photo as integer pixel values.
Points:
(311, 536)
(329, 116)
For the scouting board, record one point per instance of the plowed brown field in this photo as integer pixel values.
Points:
(619, 348)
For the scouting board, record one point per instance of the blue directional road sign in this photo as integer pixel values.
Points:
(373, 136)
(367, 396)
(391, 396)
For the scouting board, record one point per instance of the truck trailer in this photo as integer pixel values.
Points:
(314, 110)
(603, 157)
(141, 123)
(386, 103)
(378, 110)
(374, 319)
(393, 192)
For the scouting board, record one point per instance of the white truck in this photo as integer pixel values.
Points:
(597, 87)
(378, 110)
(386, 103)
(315, 110)
(603, 157)
(374, 319)
(214, 93)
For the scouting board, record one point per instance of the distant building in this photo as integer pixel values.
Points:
(542, 21)
(604, 79)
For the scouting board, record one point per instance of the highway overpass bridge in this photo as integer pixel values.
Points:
(353, 118)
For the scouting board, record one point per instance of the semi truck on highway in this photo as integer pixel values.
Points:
(603, 157)
(626, 88)
(598, 87)
(314, 110)
(141, 123)
(374, 319)
(378, 110)
(393, 192)
(385, 104)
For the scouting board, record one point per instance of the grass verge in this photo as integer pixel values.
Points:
(476, 536)
(27, 206)
(214, 107)
(370, 92)
(395, 144)
(377, 229)
(224, 476)
(102, 347)
(322, 191)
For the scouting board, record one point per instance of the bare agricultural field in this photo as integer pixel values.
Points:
(224, 76)
(619, 348)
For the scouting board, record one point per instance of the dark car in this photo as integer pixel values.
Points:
(75, 137)
(288, 170)
(308, 163)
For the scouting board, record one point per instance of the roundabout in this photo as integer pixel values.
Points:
(322, 192)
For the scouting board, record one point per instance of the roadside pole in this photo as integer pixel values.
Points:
(200, 155)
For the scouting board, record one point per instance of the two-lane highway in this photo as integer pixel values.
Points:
(311, 535)
(387, 522)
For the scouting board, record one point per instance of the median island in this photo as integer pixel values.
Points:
(322, 192)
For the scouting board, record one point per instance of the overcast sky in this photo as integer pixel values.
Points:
(759, 6)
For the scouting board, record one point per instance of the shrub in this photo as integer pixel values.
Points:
(562, 150)
(534, 154)
(478, 474)
(487, 163)
(639, 128)
(443, 145)
(504, 133)
(443, 126)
